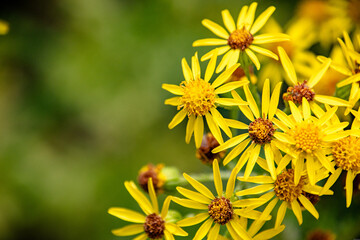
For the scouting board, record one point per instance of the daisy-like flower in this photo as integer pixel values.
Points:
(309, 138)
(299, 90)
(152, 225)
(284, 189)
(241, 37)
(346, 153)
(219, 210)
(198, 98)
(351, 69)
(260, 131)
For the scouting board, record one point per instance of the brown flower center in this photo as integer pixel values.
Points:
(285, 188)
(220, 209)
(261, 130)
(154, 226)
(346, 153)
(240, 39)
(299, 91)
(207, 145)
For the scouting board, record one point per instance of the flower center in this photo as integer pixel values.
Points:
(240, 39)
(204, 153)
(346, 152)
(198, 98)
(299, 91)
(220, 209)
(307, 137)
(154, 226)
(261, 131)
(285, 188)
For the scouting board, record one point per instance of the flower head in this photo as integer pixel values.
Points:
(204, 153)
(241, 37)
(260, 131)
(154, 224)
(198, 98)
(217, 210)
(153, 172)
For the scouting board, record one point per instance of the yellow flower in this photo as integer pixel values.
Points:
(302, 38)
(260, 130)
(291, 195)
(299, 90)
(351, 70)
(153, 172)
(309, 138)
(240, 37)
(346, 153)
(256, 226)
(220, 210)
(153, 225)
(199, 98)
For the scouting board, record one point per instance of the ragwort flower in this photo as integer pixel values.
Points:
(240, 37)
(219, 210)
(198, 98)
(154, 224)
(260, 131)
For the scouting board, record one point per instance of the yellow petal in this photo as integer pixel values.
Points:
(217, 178)
(274, 100)
(233, 58)
(224, 61)
(211, 66)
(223, 77)
(283, 163)
(139, 198)
(214, 128)
(299, 167)
(324, 161)
(310, 167)
(141, 237)
(214, 232)
(209, 42)
(249, 19)
(186, 70)
(306, 109)
(281, 213)
(168, 235)
(262, 19)
(229, 102)
(152, 195)
(284, 138)
(230, 86)
(333, 101)
(295, 112)
(174, 89)
(193, 195)
(265, 98)
(165, 207)
(199, 187)
(239, 230)
(331, 180)
(349, 187)
(228, 20)
(315, 78)
(236, 151)
(203, 230)
(129, 230)
(198, 131)
(174, 101)
(236, 124)
(190, 128)
(250, 214)
(269, 155)
(270, 38)
(178, 118)
(231, 183)
(219, 50)
(349, 80)
(288, 66)
(215, 28)
(255, 190)
(257, 179)
(249, 202)
(193, 220)
(241, 17)
(195, 65)
(308, 206)
(253, 58)
(175, 229)
(270, 233)
(285, 119)
(244, 109)
(231, 142)
(189, 203)
(127, 215)
(297, 211)
(264, 52)
(252, 104)
(220, 121)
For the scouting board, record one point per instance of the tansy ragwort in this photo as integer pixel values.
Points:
(241, 37)
(153, 225)
(222, 209)
(198, 98)
(259, 132)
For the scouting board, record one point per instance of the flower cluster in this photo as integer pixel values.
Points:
(300, 137)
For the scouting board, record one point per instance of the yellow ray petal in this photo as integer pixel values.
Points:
(252, 104)
(310, 167)
(211, 66)
(269, 155)
(127, 215)
(215, 28)
(198, 131)
(175, 229)
(299, 167)
(249, 202)
(249, 19)
(331, 180)
(281, 213)
(236, 124)
(239, 230)
(264, 52)
(219, 50)
(168, 235)
(241, 17)
(139, 198)
(195, 65)
(128, 230)
(174, 89)
(214, 232)
(230, 102)
(193, 195)
(250, 214)
(199, 187)
(209, 42)
(244, 109)
(309, 206)
(165, 207)
(315, 78)
(186, 70)
(274, 100)
(349, 187)
(255, 190)
(257, 224)
(228, 20)
(265, 98)
(231, 183)
(214, 128)
(217, 178)
(236, 151)
(231, 142)
(333, 101)
(284, 138)
(253, 58)
(189, 203)
(190, 128)
(233, 58)
(141, 237)
(220, 121)
(270, 233)
(285, 119)
(193, 220)
(174, 101)
(178, 118)
(203, 230)
(223, 77)
(324, 161)
(224, 61)
(306, 109)
(297, 211)
(152, 195)
(257, 179)
(230, 86)
(295, 112)
(288, 66)
(270, 38)
(283, 163)
(349, 80)
(337, 136)
(262, 19)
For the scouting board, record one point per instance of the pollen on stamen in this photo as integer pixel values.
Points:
(198, 98)
(346, 153)
(261, 131)
(154, 226)
(307, 137)
(220, 210)
(285, 188)
(296, 93)
(240, 39)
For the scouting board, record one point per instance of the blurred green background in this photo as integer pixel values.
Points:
(81, 110)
